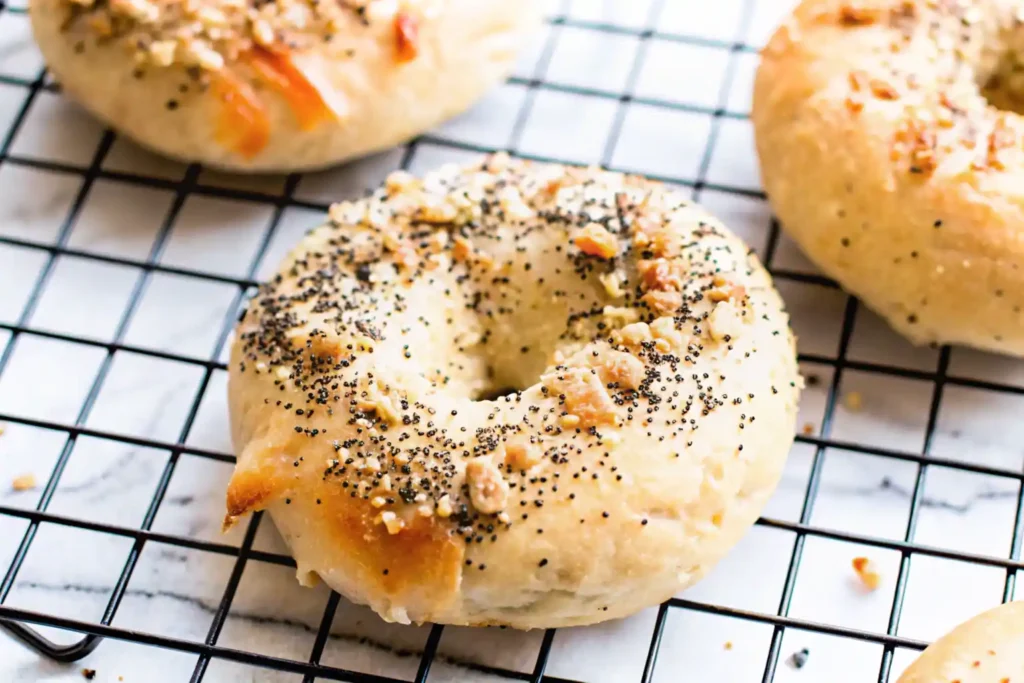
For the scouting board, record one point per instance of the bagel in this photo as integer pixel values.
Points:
(988, 648)
(512, 393)
(887, 160)
(283, 85)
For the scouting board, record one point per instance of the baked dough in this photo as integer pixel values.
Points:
(988, 648)
(886, 163)
(652, 379)
(282, 85)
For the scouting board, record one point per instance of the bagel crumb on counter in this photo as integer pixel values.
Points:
(854, 401)
(443, 369)
(867, 573)
(24, 482)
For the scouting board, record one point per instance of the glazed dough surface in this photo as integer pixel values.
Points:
(886, 163)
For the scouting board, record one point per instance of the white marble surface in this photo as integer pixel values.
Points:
(175, 591)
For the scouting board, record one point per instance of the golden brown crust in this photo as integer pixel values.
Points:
(889, 168)
(247, 492)
(424, 558)
(640, 442)
(988, 648)
(261, 481)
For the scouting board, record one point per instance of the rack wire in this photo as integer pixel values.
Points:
(22, 623)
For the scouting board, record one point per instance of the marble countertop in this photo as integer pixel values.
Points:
(175, 591)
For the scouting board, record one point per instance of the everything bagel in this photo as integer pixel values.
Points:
(277, 85)
(892, 151)
(512, 393)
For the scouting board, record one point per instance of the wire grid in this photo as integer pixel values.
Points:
(19, 621)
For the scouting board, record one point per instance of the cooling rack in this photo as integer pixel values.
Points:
(654, 86)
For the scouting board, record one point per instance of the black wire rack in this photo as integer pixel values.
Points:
(22, 623)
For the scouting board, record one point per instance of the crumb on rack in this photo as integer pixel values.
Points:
(808, 429)
(88, 674)
(798, 659)
(813, 380)
(854, 401)
(24, 482)
(867, 572)
(728, 645)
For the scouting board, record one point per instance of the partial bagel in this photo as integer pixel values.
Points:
(280, 85)
(885, 162)
(988, 648)
(651, 390)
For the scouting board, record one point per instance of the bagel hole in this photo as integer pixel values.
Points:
(1003, 98)
(1004, 87)
(505, 379)
(494, 393)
